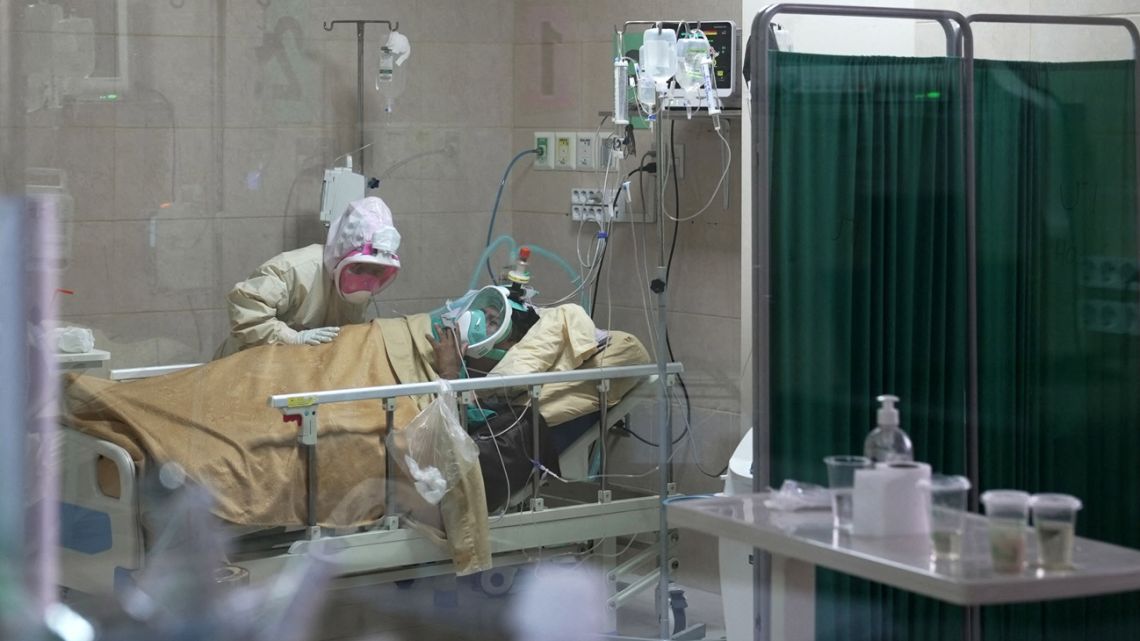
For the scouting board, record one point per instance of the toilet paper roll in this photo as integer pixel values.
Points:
(888, 501)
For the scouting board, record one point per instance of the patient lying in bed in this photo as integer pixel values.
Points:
(214, 420)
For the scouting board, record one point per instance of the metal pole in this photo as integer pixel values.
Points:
(360, 90)
(972, 407)
(603, 408)
(664, 404)
(536, 434)
(664, 449)
(662, 179)
(761, 213)
(311, 488)
(389, 425)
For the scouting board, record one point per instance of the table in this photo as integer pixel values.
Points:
(86, 360)
(800, 541)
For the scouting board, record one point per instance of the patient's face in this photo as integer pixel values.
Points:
(494, 319)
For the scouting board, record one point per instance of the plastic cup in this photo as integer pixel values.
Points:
(947, 514)
(1055, 520)
(1007, 512)
(841, 481)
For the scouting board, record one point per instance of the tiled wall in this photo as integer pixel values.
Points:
(575, 45)
(211, 161)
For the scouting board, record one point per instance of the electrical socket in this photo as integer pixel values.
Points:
(544, 143)
(565, 145)
(592, 205)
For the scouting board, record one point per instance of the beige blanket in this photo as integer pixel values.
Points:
(215, 422)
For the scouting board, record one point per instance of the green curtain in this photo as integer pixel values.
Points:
(1058, 335)
(868, 283)
(868, 256)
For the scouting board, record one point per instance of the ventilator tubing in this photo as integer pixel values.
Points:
(512, 250)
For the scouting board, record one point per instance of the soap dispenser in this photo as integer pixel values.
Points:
(887, 443)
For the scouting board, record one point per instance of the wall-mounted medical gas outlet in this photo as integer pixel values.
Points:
(544, 143)
(565, 145)
(586, 152)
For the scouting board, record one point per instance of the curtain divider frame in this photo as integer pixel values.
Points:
(957, 45)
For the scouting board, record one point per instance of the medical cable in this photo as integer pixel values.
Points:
(719, 184)
(494, 440)
(590, 277)
(593, 477)
(697, 452)
(639, 265)
(672, 252)
(650, 168)
(589, 552)
(498, 199)
(646, 441)
(350, 153)
(537, 465)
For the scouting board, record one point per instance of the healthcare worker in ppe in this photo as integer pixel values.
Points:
(304, 296)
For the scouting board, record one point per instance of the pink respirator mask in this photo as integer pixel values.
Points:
(363, 274)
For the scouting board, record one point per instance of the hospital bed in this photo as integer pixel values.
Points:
(103, 540)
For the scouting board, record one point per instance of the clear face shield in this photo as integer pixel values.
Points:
(362, 275)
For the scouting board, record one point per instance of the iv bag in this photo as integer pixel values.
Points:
(658, 55)
(691, 52)
(391, 77)
(391, 80)
(646, 91)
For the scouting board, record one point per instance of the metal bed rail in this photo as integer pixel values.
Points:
(302, 408)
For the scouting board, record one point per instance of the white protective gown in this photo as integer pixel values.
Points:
(289, 292)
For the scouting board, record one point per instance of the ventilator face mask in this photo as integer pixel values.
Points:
(485, 322)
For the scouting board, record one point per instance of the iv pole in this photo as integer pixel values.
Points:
(360, 24)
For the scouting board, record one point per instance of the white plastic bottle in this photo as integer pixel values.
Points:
(887, 442)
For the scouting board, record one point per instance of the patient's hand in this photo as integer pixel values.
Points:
(448, 352)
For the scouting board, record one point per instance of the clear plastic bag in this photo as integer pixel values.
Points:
(794, 496)
(434, 450)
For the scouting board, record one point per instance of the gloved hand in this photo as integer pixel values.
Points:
(314, 336)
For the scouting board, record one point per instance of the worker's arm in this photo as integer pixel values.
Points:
(256, 303)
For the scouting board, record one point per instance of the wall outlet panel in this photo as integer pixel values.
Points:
(586, 152)
(544, 143)
(565, 144)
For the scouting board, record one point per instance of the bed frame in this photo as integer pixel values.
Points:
(102, 541)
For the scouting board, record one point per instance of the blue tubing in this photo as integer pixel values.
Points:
(499, 197)
(512, 249)
(485, 258)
